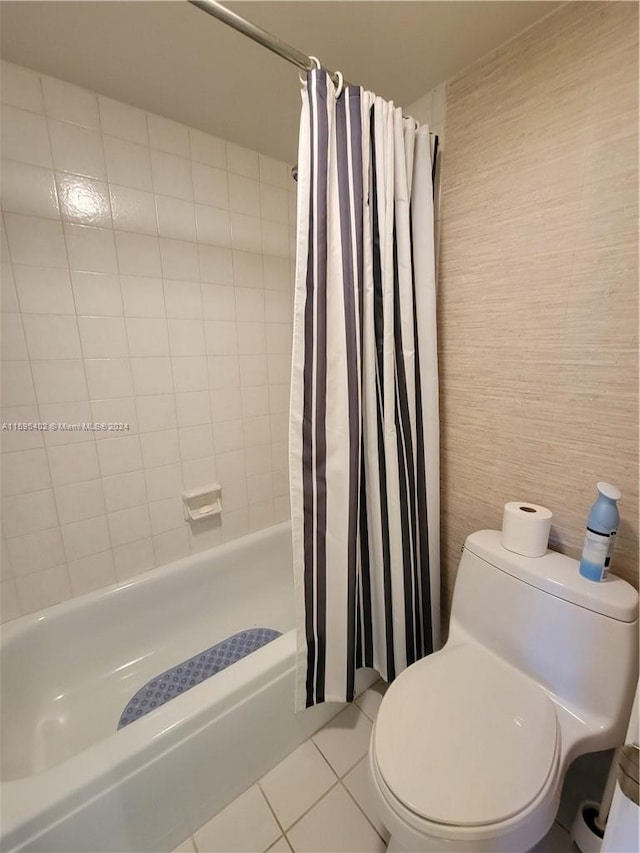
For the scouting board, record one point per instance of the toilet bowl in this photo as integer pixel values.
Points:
(470, 746)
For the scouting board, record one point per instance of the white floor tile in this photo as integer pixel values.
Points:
(297, 783)
(335, 825)
(358, 783)
(370, 700)
(557, 840)
(244, 826)
(344, 739)
(281, 846)
(185, 847)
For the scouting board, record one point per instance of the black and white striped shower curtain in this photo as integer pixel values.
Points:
(364, 397)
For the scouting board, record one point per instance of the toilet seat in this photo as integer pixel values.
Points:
(464, 740)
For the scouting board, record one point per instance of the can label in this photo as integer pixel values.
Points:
(596, 548)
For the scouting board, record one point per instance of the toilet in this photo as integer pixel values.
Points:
(470, 746)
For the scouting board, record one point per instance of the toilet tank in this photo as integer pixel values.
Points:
(577, 638)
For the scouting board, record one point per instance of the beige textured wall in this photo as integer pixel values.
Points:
(538, 281)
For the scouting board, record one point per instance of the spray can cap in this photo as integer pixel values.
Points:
(609, 491)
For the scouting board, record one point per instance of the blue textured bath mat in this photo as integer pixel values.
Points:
(186, 675)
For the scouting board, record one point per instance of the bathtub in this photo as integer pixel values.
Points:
(70, 781)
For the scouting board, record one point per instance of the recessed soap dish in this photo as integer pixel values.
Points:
(202, 503)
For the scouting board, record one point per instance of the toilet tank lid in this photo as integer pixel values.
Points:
(558, 575)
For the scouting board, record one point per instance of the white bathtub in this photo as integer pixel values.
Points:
(70, 781)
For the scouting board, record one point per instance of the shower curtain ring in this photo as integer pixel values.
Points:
(340, 86)
(316, 62)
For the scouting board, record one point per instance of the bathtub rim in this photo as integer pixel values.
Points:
(10, 631)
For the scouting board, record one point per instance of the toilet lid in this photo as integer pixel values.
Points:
(463, 739)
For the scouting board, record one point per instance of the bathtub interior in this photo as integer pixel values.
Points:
(69, 672)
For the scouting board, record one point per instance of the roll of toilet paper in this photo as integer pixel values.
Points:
(525, 528)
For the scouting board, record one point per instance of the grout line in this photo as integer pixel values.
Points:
(363, 812)
(306, 812)
(271, 809)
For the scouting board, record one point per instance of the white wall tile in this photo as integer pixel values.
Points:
(83, 538)
(123, 120)
(119, 455)
(9, 602)
(186, 337)
(251, 338)
(12, 341)
(28, 513)
(183, 299)
(109, 378)
(138, 254)
(206, 149)
(193, 408)
(171, 546)
(253, 370)
(43, 589)
(97, 294)
(162, 482)
(277, 275)
(221, 337)
(103, 337)
(248, 270)
(151, 376)
(246, 234)
(216, 265)
(226, 404)
(147, 337)
(171, 175)
(122, 491)
(91, 249)
(242, 161)
(128, 164)
(90, 573)
(142, 296)
(134, 558)
(274, 204)
(250, 304)
(30, 190)
(79, 501)
(21, 87)
(160, 448)
(17, 386)
(129, 525)
(157, 412)
(244, 195)
(218, 302)
(213, 225)
(84, 201)
(227, 436)
(166, 515)
(73, 463)
(176, 218)
(34, 552)
(274, 172)
(25, 471)
(167, 135)
(195, 441)
(179, 259)
(190, 372)
(133, 210)
(77, 150)
(25, 138)
(210, 186)
(70, 103)
(59, 381)
(76, 413)
(35, 242)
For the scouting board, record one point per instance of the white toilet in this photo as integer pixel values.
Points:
(471, 744)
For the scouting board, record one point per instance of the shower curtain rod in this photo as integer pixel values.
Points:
(266, 39)
(271, 42)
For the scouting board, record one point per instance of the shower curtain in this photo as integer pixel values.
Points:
(364, 398)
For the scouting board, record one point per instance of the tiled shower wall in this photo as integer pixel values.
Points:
(146, 280)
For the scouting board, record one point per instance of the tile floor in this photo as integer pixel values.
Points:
(317, 799)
